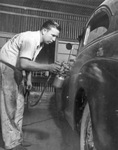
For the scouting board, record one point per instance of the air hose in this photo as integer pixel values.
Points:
(39, 99)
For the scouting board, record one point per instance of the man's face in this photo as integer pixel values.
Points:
(50, 36)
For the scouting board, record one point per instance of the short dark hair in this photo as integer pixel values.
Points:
(51, 23)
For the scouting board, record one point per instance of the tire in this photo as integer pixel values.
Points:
(86, 135)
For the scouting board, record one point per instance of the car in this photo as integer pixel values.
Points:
(88, 97)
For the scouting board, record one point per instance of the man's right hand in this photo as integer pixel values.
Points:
(54, 68)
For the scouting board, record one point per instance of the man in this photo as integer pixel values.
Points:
(16, 55)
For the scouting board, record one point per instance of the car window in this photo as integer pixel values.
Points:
(97, 26)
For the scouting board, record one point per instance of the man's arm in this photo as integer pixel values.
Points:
(29, 65)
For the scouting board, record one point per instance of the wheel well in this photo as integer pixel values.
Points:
(80, 102)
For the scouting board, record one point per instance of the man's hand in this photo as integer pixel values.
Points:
(28, 85)
(54, 68)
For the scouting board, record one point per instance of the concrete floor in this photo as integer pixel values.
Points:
(45, 129)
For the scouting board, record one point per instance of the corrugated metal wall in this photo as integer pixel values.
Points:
(16, 19)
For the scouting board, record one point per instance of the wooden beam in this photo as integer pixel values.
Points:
(70, 3)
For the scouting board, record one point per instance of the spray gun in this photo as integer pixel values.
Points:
(60, 76)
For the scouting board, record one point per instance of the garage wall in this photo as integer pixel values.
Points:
(4, 37)
(16, 19)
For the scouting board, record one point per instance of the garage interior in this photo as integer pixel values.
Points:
(44, 125)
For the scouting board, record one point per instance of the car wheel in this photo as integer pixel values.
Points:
(86, 136)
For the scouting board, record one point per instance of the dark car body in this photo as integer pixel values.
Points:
(93, 79)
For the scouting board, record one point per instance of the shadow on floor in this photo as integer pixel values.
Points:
(70, 138)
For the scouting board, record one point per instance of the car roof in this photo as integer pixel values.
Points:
(112, 4)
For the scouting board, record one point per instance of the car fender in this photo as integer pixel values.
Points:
(99, 78)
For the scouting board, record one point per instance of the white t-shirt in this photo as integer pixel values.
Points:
(25, 44)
